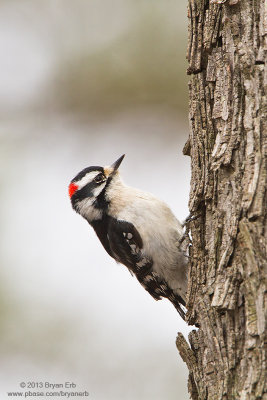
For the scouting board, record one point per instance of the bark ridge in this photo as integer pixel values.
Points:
(228, 147)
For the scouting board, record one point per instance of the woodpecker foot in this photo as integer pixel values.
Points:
(189, 219)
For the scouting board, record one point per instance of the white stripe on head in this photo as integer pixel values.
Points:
(88, 211)
(98, 189)
(89, 177)
(86, 206)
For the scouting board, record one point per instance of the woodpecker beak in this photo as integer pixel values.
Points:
(109, 171)
(117, 163)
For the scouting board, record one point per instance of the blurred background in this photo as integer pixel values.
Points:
(81, 83)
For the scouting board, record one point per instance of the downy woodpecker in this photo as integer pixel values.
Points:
(135, 228)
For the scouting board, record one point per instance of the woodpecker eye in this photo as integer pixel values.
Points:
(100, 178)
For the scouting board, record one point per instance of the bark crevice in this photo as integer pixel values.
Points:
(227, 292)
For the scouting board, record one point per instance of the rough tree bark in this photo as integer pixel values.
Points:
(228, 148)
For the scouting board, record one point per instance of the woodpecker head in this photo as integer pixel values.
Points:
(87, 190)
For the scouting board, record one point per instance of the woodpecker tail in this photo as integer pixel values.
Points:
(178, 303)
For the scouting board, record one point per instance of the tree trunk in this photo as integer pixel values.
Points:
(228, 198)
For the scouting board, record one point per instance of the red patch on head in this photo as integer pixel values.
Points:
(72, 189)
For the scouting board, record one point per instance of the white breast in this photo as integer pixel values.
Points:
(159, 229)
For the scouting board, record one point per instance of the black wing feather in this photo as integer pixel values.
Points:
(100, 227)
(123, 242)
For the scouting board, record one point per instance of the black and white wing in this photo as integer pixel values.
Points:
(122, 242)
(126, 245)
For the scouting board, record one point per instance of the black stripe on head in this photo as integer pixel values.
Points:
(83, 193)
(101, 201)
(88, 189)
(85, 171)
